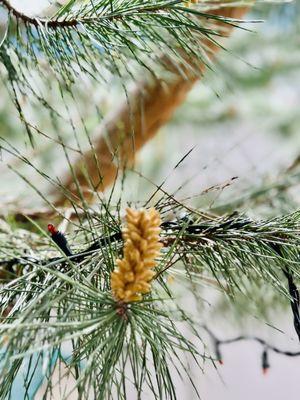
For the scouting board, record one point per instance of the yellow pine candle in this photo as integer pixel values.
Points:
(134, 272)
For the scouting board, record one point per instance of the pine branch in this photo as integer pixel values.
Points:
(37, 22)
(54, 300)
(150, 35)
(148, 108)
(88, 14)
(215, 244)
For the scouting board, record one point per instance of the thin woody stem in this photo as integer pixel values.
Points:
(38, 21)
(65, 23)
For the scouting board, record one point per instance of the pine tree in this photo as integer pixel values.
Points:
(93, 312)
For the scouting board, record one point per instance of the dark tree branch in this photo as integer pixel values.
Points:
(73, 22)
(293, 291)
(37, 21)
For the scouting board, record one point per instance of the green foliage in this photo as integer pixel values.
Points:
(113, 348)
(94, 40)
(59, 310)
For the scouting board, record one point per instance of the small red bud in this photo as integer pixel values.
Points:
(52, 229)
(221, 362)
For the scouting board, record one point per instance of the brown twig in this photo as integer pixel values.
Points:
(38, 21)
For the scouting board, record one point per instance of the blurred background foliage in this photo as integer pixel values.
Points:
(244, 116)
(243, 120)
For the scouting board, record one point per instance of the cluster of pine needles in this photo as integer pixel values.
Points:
(60, 311)
(106, 315)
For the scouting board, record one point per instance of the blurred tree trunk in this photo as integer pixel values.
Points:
(149, 107)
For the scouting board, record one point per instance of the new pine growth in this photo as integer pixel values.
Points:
(134, 272)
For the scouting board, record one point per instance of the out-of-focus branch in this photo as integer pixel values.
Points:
(149, 107)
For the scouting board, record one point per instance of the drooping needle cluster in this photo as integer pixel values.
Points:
(134, 272)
